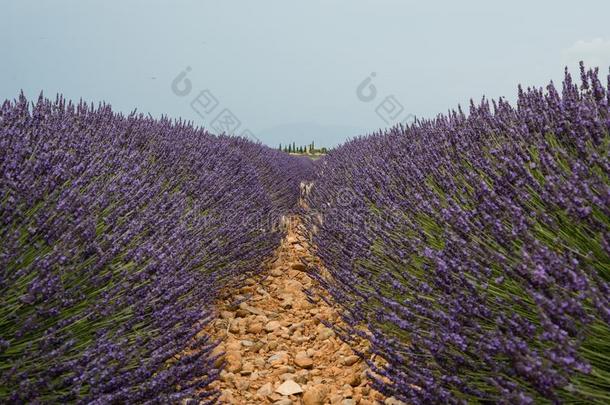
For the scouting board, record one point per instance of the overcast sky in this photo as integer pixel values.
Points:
(294, 70)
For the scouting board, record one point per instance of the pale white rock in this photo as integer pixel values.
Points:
(289, 387)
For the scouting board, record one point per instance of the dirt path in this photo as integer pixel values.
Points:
(277, 349)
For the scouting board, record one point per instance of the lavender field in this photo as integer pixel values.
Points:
(470, 251)
(117, 233)
(475, 248)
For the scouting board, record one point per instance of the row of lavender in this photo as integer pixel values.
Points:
(476, 249)
(116, 233)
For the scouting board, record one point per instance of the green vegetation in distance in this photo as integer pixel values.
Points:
(310, 149)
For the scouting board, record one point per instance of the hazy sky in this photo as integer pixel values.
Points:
(290, 70)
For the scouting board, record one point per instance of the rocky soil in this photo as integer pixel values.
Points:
(277, 350)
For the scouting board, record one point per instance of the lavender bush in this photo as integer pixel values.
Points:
(279, 173)
(116, 233)
(476, 248)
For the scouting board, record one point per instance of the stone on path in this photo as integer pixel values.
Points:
(233, 359)
(315, 395)
(325, 333)
(275, 346)
(278, 358)
(350, 360)
(276, 272)
(299, 266)
(272, 326)
(289, 388)
(265, 390)
(255, 327)
(303, 360)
